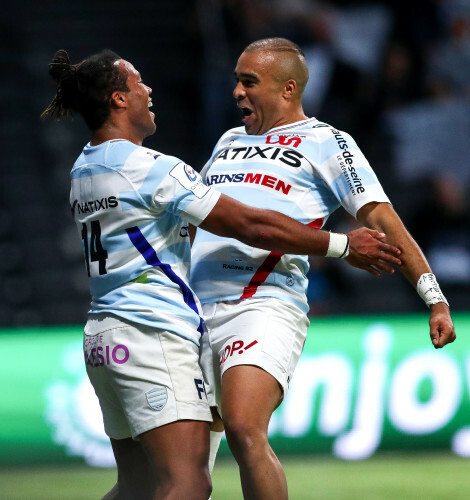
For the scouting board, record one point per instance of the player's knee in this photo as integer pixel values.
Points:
(197, 485)
(244, 436)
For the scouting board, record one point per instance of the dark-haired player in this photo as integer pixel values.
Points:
(132, 206)
(254, 301)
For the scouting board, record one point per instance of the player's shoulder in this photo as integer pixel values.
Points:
(231, 135)
(322, 131)
(143, 156)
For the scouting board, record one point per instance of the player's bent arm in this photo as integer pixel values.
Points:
(382, 217)
(274, 231)
(264, 229)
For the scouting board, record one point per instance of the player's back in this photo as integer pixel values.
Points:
(136, 252)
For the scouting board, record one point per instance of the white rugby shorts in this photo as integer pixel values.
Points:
(264, 332)
(143, 377)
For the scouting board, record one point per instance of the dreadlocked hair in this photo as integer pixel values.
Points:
(85, 87)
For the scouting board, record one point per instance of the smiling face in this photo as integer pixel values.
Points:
(141, 119)
(258, 91)
(267, 90)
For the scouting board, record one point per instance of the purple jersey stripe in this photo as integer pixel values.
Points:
(151, 257)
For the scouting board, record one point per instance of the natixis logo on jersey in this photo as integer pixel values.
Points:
(190, 173)
(94, 205)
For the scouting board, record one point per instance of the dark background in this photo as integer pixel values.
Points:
(397, 78)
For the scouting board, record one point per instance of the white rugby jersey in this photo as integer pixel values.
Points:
(305, 170)
(132, 206)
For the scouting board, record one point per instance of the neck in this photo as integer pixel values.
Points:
(293, 117)
(110, 131)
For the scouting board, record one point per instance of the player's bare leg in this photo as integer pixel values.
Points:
(179, 453)
(135, 475)
(173, 466)
(249, 397)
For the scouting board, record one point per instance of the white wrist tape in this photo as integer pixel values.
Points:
(429, 290)
(338, 246)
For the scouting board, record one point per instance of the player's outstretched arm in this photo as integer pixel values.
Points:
(382, 217)
(276, 232)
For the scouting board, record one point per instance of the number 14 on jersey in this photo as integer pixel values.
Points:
(94, 250)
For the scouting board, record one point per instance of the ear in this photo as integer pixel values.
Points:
(118, 99)
(290, 89)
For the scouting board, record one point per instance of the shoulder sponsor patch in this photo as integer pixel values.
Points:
(189, 179)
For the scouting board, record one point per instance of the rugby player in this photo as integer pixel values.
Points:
(132, 206)
(254, 301)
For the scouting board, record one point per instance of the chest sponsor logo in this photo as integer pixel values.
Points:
(268, 181)
(284, 156)
(284, 140)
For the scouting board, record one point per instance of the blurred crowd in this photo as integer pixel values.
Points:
(394, 75)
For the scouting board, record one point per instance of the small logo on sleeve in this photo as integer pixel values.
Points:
(189, 179)
(190, 173)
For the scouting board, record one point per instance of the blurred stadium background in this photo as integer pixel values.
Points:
(394, 75)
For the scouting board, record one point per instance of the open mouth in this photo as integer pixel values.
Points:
(246, 112)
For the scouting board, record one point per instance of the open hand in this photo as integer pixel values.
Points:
(367, 251)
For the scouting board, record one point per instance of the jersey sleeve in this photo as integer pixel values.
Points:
(347, 173)
(183, 193)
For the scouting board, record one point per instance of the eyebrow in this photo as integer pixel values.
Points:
(246, 75)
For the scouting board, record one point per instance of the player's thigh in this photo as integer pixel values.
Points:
(179, 448)
(131, 459)
(249, 397)
(264, 332)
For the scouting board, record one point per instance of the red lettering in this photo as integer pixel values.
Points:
(295, 140)
(251, 345)
(253, 178)
(238, 344)
(225, 355)
(282, 186)
(284, 140)
(268, 181)
(268, 140)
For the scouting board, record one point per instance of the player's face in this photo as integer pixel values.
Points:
(259, 92)
(139, 102)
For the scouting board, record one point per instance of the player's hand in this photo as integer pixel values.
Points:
(441, 327)
(367, 251)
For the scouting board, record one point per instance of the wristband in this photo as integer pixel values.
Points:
(338, 246)
(429, 290)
